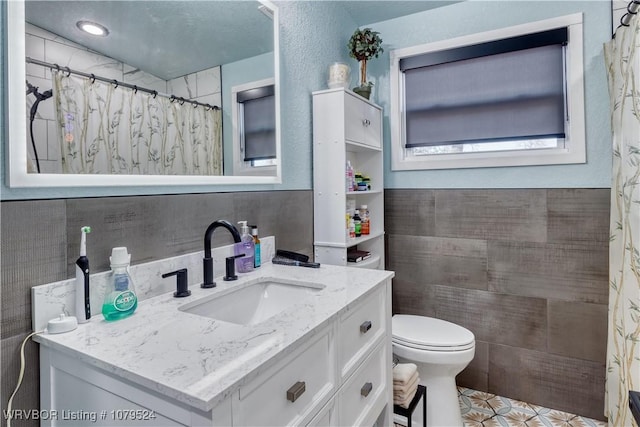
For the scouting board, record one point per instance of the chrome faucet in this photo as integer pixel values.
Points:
(207, 261)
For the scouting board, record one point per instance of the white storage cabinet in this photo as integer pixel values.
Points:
(346, 127)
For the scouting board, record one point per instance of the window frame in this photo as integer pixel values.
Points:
(574, 150)
(240, 166)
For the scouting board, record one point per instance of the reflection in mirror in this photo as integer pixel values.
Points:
(147, 99)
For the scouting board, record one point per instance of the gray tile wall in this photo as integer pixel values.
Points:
(525, 270)
(40, 243)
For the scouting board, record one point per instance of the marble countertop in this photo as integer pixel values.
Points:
(200, 361)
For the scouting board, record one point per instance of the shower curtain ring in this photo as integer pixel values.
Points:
(68, 70)
(154, 93)
(57, 67)
(622, 18)
(115, 83)
(135, 89)
(172, 98)
(195, 105)
(92, 79)
(207, 107)
(181, 102)
(629, 10)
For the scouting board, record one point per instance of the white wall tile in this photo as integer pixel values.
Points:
(53, 144)
(138, 77)
(184, 86)
(82, 60)
(213, 99)
(208, 81)
(34, 48)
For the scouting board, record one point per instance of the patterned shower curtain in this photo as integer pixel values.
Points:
(104, 129)
(622, 56)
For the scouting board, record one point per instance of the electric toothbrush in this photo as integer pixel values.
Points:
(83, 307)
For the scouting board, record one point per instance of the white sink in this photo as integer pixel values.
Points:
(254, 303)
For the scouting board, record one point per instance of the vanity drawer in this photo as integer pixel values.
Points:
(362, 397)
(359, 330)
(327, 417)
(291, 391)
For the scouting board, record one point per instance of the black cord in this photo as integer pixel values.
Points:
(32, 116)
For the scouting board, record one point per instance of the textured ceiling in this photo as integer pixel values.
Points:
(366, 12)
(172, 38)
(165, 38)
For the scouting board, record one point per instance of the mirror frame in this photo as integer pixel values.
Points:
(16, 165)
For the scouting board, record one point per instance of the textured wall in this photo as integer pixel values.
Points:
(40, 243)
(478, 16)
(525, 270)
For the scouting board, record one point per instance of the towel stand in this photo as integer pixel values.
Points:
(421, 392)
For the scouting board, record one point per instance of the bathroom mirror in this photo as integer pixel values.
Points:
(239, 38)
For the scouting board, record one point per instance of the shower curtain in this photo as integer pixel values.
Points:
(622, 55)
(105, 129)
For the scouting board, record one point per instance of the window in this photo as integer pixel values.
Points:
(254, 127)
(508, 97)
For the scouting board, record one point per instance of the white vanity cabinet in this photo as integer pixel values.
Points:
(74, 393)
(346, 128)
(337, 373)
(346, 372)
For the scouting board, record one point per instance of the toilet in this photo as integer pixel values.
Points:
(441, 350)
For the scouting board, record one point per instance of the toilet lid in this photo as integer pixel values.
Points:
(430, 334)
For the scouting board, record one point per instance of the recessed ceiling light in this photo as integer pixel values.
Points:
(93, 28)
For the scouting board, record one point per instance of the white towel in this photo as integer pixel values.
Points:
(402, 387)
(408, 389)
(405, 402)
(403, 372)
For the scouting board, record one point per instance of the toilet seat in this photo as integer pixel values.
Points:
(427, 333)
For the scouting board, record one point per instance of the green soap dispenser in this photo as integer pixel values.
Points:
(120, 300)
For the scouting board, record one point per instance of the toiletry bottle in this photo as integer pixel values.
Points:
(357, 221)
(120, 300)
(83, 308)
(364, 215)
(256, 246)
(246, 246)
(350, 177)
(347, 218)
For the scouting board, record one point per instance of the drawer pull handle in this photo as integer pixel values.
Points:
(365, 327)
(366, 389)
(295, 391)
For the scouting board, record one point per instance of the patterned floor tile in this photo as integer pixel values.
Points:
(481, 409)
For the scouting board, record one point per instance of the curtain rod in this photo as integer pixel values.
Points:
(632, 9)
(115, 82)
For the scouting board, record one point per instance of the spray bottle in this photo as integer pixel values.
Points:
(83, 306)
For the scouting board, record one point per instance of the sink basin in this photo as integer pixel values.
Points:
(252, 304)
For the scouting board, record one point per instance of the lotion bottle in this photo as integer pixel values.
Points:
(256, 244)
(246, 247)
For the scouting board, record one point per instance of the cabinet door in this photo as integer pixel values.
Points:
(354, 119)
(362, 122)
(372, 125)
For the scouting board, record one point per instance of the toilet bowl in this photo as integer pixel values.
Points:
(441, 350)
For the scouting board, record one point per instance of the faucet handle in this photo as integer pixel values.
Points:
(230, 270)
(182, 282)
